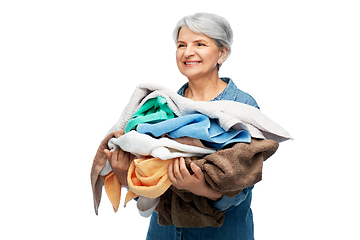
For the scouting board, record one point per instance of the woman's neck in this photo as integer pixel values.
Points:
(204, 89)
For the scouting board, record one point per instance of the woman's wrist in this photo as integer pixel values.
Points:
(211, 193)
(215, 196)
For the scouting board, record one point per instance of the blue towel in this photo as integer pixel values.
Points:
(197, 126)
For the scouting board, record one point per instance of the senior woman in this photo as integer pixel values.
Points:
(203, 44)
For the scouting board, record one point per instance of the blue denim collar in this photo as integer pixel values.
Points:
(229, 93)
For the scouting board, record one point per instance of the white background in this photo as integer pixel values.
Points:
(67, 69)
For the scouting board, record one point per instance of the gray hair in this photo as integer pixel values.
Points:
(215, 27)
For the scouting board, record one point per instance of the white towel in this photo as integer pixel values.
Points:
(163, 148)
(230, 114)
(147, 206)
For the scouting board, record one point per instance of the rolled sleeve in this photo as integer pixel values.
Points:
(226, 202)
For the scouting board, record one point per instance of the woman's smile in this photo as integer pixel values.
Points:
(192, 63)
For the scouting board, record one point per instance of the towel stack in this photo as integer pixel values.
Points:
(159, 126)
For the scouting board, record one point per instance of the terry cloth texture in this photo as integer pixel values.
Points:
(154, 110)
(228, 114)
(244, 117)
(141, 145)
(228, 171)
(148, 177)
(144, 145)
(196, 126)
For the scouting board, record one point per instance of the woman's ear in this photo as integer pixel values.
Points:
(223, 55)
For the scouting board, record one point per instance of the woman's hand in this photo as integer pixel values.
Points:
(120, 162)
(181, 178)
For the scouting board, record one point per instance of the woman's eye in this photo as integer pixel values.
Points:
(201, 44)
(181, 45)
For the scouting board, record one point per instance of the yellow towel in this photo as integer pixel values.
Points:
(148, 177)
(112, 189)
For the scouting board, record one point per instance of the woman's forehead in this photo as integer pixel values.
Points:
(185, 34)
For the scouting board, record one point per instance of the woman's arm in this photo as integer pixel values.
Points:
(181, 178)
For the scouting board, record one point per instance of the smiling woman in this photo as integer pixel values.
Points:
(198, 58)
(203, 44)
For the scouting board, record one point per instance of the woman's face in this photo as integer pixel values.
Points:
(197, 55)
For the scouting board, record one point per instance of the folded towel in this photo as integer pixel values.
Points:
(228, 171)
(229, 114)
(153, 110)
(196, 126)
(144, 145)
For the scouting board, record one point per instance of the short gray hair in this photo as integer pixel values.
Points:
(215, 27)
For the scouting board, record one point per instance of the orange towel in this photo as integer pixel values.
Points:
(112, 189)
(148, 177)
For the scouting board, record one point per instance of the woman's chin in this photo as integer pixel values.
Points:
(192, 74)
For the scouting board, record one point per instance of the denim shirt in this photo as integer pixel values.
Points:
(238, 224)
(231, 93)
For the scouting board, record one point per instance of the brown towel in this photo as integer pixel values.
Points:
(185, 209)
(98, 164)
(228, 171)
(231, 170)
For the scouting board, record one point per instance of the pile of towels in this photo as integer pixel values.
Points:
(228, 140)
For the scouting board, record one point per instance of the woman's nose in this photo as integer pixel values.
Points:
(189, 51)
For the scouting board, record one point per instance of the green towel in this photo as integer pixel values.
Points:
(152, 111)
